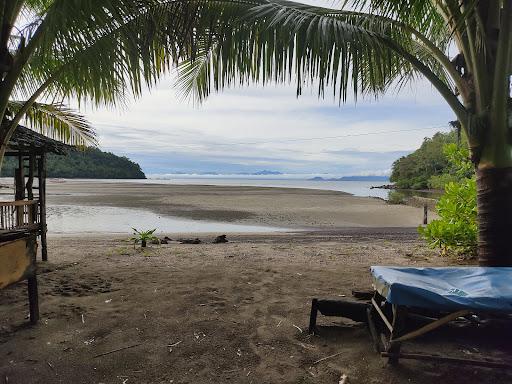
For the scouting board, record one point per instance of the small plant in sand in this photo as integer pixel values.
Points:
(143, 237)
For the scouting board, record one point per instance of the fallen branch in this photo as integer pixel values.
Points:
(175, 344)
(326, 358)
(300, 330)
(117, 350)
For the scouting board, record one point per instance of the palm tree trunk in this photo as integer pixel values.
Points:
(495, 216)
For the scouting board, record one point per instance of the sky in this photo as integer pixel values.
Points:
(269, 128)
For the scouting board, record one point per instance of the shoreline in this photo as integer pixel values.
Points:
(282, 207)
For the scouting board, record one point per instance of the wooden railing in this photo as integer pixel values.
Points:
(20, 214)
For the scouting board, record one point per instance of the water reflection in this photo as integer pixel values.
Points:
(103, 219)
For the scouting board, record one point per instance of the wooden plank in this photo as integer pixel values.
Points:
(431, 326)
(382, 315)
(17, 260)
(17, 203)
(420, 356)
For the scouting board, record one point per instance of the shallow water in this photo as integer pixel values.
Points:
(104, 219)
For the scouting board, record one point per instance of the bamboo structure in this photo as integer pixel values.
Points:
(23, 220)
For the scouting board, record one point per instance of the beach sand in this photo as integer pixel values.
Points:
(222, 313)
(281, 207)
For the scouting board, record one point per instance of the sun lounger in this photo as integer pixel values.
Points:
(438, 294)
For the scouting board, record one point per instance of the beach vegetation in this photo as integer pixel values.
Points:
(427, 167)
(143, 237)
(396, 197)
(89, 163)
(456, 230)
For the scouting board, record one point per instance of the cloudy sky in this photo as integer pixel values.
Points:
(255, 128)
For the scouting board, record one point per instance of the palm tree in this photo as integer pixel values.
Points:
(366, 47)
(96, 51)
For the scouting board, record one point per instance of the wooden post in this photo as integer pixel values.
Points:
(42, 205)
(425, 214)
(19, 190)
(30, 181)
(312, 316)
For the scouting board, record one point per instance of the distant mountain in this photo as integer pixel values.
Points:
(265, 172)
(90, 163)
(352, 178)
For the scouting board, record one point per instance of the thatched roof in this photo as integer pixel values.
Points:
(28, 141)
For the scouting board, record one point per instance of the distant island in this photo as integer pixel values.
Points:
(352, 178)
(265, 172)
(90, 163)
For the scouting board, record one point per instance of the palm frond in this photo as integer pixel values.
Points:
(276, 40)
(58, 122)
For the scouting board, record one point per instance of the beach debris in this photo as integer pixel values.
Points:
(155, 241)
(171, 346)
(108, 301)
(299, 328)
(117, 350)
(220, 239)
(89, 342)
(279, 324)
(50, 365)
(190, 241)
(83, 319)
(343, 379)
(326, 358)
(199, 335)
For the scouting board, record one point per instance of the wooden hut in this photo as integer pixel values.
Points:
(23, 220)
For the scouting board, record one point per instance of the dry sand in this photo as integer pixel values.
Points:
(222, 313)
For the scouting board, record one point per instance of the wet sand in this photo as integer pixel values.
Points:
(279, 207)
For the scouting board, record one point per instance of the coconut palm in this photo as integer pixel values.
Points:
(462, 47)
(95, 51)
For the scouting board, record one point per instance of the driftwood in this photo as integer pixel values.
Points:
(220, 239)
(326, 358)
(117, 350)
(190, 241)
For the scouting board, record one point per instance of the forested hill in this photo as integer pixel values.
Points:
(425, 167)
(90, 163)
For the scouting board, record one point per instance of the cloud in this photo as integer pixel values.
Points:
(248, 129)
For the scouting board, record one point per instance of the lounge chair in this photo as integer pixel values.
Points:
(439, 294)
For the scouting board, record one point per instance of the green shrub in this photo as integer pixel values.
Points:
(395, 197)
(455, 232)
(143, 237)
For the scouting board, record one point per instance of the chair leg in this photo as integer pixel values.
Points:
(399, 318)
(370, 311)
(33, 299)
(312, 316)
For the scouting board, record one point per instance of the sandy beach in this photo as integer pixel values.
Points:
(223, 313)
(281, 207)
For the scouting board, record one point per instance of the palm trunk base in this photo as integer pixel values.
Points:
(495, 217)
